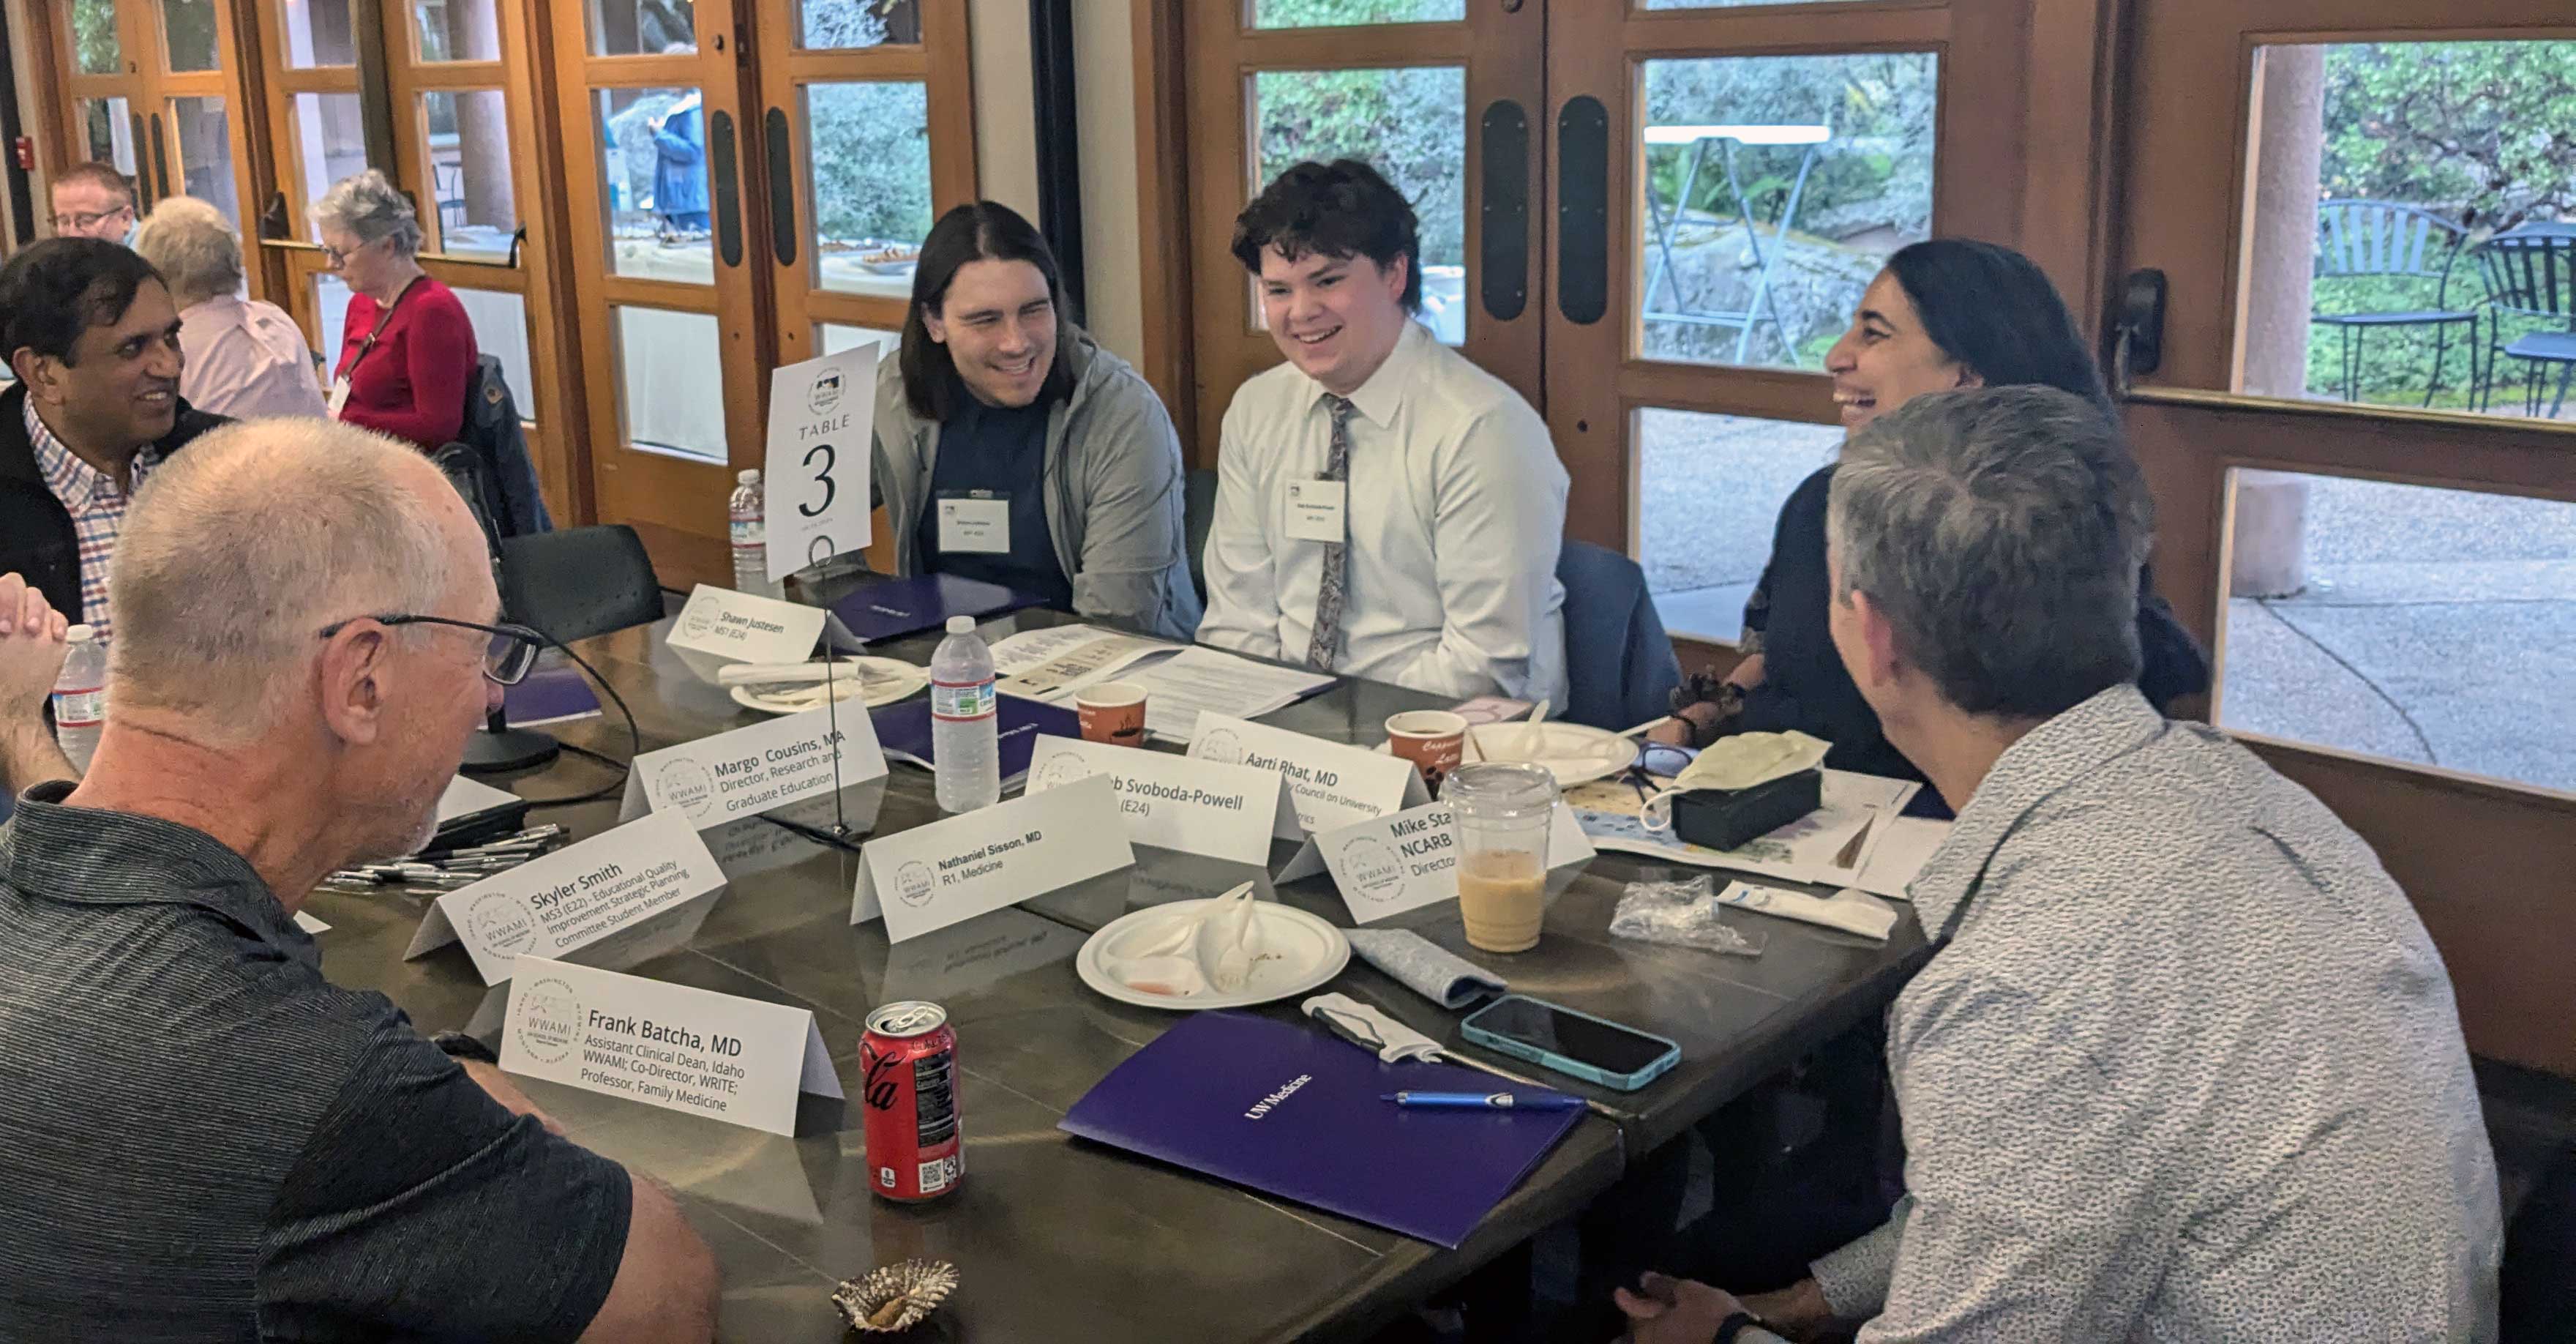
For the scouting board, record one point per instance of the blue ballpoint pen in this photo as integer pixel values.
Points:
(1480, 1101)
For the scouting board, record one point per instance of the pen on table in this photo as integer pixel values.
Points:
(1482, 1101)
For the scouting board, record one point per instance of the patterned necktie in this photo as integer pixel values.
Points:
(1326, 645)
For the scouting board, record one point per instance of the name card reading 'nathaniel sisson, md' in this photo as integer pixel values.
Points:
(738, 1060)
(748, 771)
(573, 897)
(719, 626)
(950, 871)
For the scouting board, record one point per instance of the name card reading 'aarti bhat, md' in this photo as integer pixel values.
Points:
(748, 771)
(952, 870)
(1173, 802)
(733, 1059)
(573, 897)
(718, 626)
(1330, 784)
(1387, 865)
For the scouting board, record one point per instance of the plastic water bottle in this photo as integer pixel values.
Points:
(965, 756)
(750, 538)
(80, 696)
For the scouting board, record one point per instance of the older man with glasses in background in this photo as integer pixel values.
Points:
(215, 1141)
(93, 200)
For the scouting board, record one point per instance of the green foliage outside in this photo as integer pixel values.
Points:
(2480, 133)
(871, 148)
(1876, 170)
(94, 37)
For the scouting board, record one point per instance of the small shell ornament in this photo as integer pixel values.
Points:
(896, 1297)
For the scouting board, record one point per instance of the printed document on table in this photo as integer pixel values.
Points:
(1197, 679)
(1052, 664)
(1834, 845)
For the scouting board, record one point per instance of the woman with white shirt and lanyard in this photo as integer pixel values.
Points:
(1011, 448)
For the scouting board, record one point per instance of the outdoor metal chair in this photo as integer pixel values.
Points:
(2530, 273)
(2385, 238)
(1760, 307)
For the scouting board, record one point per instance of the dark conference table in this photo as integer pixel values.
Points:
(1057, 1238)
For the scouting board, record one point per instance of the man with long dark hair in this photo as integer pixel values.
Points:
(1385, 508)
(1011, 447)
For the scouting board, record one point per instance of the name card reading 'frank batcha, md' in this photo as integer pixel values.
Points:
(1387, 865)
(748, 771)
(930, 877)
(1173, 802)
(1330, 785)
(573, 897)
(719, 626)
(738, 1060)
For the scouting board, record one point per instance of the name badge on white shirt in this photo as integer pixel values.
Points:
(339, 396)
(1315, 510)
(976, 524)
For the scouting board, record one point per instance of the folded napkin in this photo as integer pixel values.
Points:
(1848, 910)
(1747, 759)
(1210, 951)
(1427, 969)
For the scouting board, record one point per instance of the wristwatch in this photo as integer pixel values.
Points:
(457, 1045)
(1734, 1325)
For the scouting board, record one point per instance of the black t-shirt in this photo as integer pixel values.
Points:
(1002, 450)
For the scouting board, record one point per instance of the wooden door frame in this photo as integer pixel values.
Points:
(2451, 840)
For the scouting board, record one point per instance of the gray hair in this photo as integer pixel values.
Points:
(193, 246)
(371, 207)
(2001, 530)
(239, 550)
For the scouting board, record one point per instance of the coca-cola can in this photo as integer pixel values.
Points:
(910, 1091)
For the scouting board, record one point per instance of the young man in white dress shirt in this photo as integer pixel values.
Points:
(1385, 509)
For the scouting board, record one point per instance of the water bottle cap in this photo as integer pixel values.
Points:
(79, 634)
(961, 625)
(750, 477)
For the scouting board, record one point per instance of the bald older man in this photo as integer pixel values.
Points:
(217, 1143)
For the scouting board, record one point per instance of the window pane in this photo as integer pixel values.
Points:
(836, 338)
(1802, 174)
(2404, 622)
(331, 304)
(501, 330)
(859, 23)
(456, 30)
(318, 33)
(94, 40)
(206, 152)
(329, 145)
(653, 172)
(871, 161)
(107, 133)
(188, 31)
(2413, 226)
(1335, 13)
(642, 27)
(666, 362)
(1709, 488)
(469, 164)
(1411, 124)
(1722, 4)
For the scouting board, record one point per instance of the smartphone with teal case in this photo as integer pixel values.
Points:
(1576, 1044)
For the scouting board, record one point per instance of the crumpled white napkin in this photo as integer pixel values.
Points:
(1747, 759)
(1211, 951)
(1850, 910)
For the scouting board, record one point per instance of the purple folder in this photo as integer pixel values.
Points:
(891, 608)
(1298, 1114)
(550, 695)
(903, 731)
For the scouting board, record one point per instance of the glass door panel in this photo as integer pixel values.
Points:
(871, 186)
(205, 150)
(653, 176)
(473, 197)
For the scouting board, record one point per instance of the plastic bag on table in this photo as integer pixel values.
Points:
(1682, 912)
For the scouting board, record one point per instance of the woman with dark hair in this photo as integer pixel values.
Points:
(1944, 314)
(1011, 448)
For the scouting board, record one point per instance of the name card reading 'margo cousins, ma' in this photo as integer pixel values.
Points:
(573, 897)
(684, 1049)
(748, 771)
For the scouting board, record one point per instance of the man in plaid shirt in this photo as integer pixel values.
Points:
(93, 337)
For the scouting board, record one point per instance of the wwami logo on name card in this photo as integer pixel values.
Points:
(719, 626)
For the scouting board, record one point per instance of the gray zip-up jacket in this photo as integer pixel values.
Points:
(1112, 479)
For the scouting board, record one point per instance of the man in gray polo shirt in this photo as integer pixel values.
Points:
(2183, 1065)
(200, 1137)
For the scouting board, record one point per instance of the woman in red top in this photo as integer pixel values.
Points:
(407, 348)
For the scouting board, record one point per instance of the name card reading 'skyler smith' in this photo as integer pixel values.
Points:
(572, 898)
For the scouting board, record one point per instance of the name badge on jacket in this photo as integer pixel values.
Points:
(975, 523)
(339, 397)
(1315, 510)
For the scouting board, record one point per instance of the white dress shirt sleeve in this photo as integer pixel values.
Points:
(2035, 1209)
(1495, 534)
(1242, 588)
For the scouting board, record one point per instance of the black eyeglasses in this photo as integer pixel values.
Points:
(506, 661)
